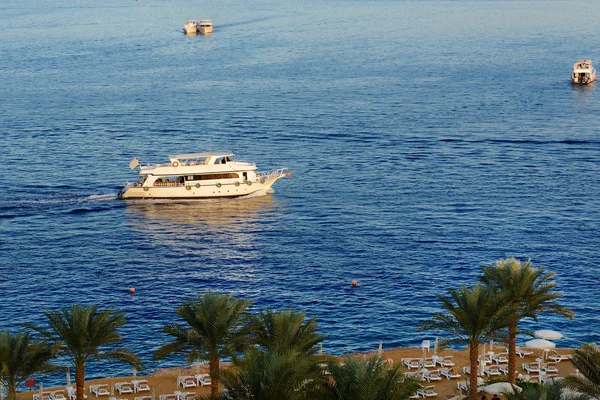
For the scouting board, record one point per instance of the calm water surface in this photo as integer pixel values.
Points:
(424, 139)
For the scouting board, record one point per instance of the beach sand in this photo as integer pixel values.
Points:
(164, 381)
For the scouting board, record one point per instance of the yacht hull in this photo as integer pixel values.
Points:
(189, 192)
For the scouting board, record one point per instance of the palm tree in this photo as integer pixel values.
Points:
(272, 375)
(21, 357)
(528, 291)
(217, 327)
(587, 361)
(286, 330)
(538, 391)
(367, 379)
(78, 332)
(474, 316)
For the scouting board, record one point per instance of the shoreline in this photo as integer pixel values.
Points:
(164, 380)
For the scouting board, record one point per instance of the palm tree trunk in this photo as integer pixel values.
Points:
(80, 381)
(11, 389)
(512, 353)
(473, 352)
(214, 377)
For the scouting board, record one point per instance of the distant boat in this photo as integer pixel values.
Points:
(583, 72)
(190, 27)
(205, 26)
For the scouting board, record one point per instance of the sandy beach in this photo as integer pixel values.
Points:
(164, 381)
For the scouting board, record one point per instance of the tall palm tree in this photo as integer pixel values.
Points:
(79, 332)
(217, 326)
(367, 379)
(272, 375)
(21, 356)
(587, 361)
(286, 330)
(473, 315)
(528, 291)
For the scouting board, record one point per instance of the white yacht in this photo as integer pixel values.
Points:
(205, 26)
(199, 176)
(190, 27)
(583, 72)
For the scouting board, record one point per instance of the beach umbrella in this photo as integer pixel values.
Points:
(134, 373)
(540, 344)
(548, 334)
(435, 346)
(68, 377)
(198, 365)
(501, 387)
(321, 349)
(380, 350)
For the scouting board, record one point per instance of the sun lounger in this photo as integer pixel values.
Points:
(170, 396)
(415, 375)
(415, 396)
(124, 387)
(411, 363)
(535, 379)
(143, 398)
(503, 368)
(72, 393)
(58, 395)
(445, 361)
(556, 356)
(531, 367)
(187, 381)
(450, 373)
(427, 391)
(550, 368)
(187, 395)
(462, 385)
(140, 386)
(500, 358)
(100, 390)
(491, 370)
(523, 353)
(203, 379)
(433, 375)
(428, 362)
(42, 396)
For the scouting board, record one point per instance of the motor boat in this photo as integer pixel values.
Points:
(199, 176)
(583, 72)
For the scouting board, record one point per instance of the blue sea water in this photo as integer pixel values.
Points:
(425, 138)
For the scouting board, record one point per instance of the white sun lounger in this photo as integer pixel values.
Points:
(523, 353)
(411, 363)
(503, 368)
(187, 395)
(491, 370)
(140, 386)
(556, 356)
(42, 396)
(143, 398)
(550, 368)
(415, 375)
(462, 385)
(203, 379)
(450, 373)
(58, 395)
(170, 396)
(72, 393)
(531, 367)
(427, 391)
(433, 375)
(445, 361)
(428, 362)
(124, 387)
(187, 381)
(500, 358)
(100, 390)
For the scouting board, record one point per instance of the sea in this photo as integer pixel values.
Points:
(424, 139)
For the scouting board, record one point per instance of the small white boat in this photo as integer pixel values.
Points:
(583, 72)
(199, 176)
(190, 27)
(205, 26)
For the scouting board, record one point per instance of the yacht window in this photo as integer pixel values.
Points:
(230, 175)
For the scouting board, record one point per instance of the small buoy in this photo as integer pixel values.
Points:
(354, 283)
(288, 174)
(132, 290)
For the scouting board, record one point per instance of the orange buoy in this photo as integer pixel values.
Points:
(288, 174)
(354, 283)
(132, 290)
